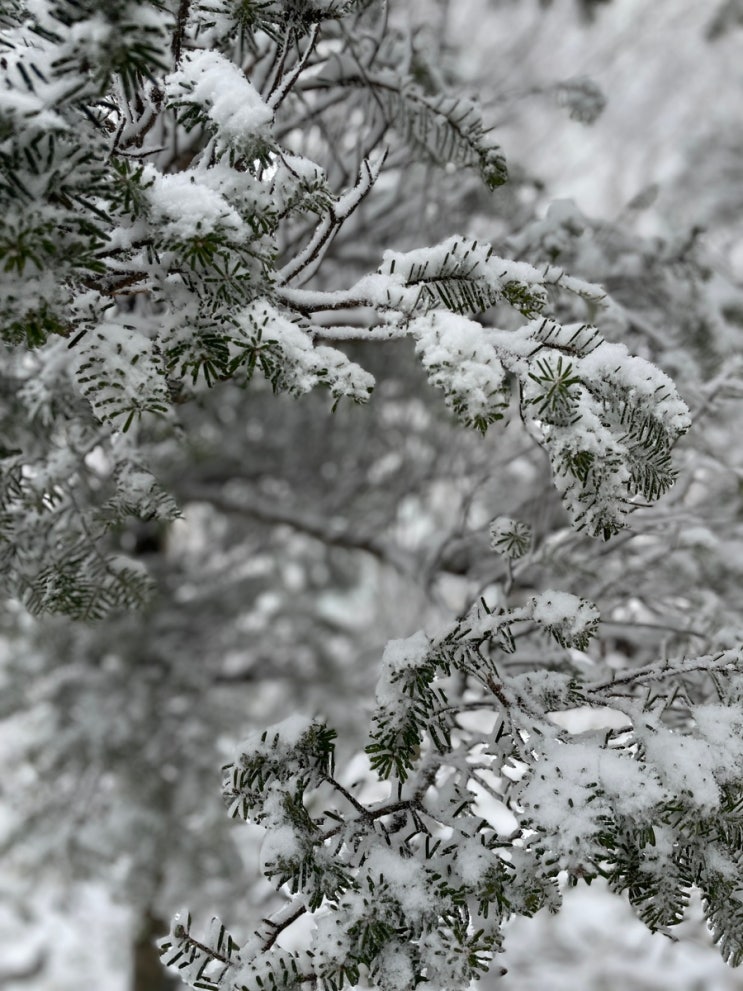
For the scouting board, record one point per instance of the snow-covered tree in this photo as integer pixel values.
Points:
(191, 195)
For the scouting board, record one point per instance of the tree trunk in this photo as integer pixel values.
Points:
(148, 972)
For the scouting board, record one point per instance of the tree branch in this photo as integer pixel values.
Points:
(677, 666)
(180, 29)
(327, 532)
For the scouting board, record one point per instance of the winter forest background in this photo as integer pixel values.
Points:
(309, 537)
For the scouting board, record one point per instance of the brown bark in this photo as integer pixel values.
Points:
(148, 972)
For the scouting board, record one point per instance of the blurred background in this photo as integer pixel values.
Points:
(310, 538)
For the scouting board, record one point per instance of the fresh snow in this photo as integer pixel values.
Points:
(184, 206)
(209, 79)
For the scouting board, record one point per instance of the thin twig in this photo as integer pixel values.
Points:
(180, 30)
(283, 88)
(348, 796)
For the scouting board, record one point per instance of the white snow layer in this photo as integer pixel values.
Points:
(232, 103)
(187, 206)
(399, 655)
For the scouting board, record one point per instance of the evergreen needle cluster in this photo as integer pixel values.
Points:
(165, 231)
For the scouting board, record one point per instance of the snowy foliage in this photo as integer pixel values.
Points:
(166, 232)
(418, 885)
(138, 277)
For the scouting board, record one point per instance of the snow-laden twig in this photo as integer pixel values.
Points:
(309, 259)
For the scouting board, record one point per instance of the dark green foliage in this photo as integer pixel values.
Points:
(157, 241)
(557, 399)
(84, 586)
(447, 129)
(195, 959)
(151, 248)
(268, 760)
(723, 909)
(468, 278)
(657, 880)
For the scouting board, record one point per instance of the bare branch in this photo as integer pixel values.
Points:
(327, 531)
